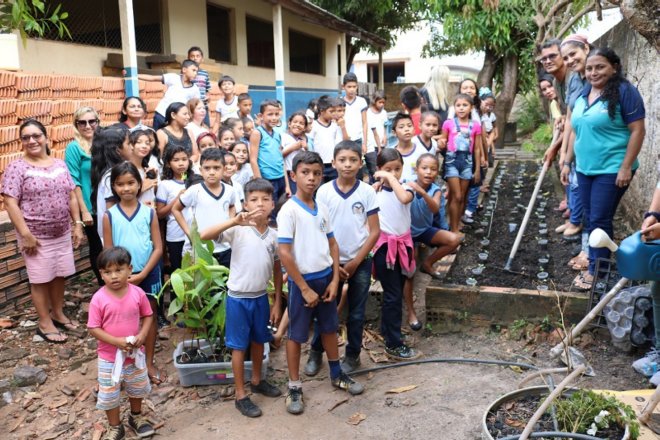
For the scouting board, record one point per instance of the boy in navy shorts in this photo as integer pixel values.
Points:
(254, 262)
(310, 254)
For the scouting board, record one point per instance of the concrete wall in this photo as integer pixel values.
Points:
(641, 66)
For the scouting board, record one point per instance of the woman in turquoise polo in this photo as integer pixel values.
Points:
(608, 131)
(79, 162)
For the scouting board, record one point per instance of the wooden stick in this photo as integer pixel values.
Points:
(645, 416)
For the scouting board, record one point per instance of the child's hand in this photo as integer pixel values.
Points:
(364, 147)
(477, 176)
(288, 192)
(310, 297)
(442, 144)
(418, 189)
(139, 341)
(650, 229)
(247, 218)
(122, 344)
(330, 292)
(384, 176)
(341, 123)
(147, 184)
(347, 270)
(136, 278)
(377, 186)
(276, 314)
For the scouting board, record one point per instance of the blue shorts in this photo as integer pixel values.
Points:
(247, 321)
(426, 237)
(459, 165)
(153, 282)
(300, 317)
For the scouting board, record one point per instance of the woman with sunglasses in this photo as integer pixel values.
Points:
(78, 159)
(40, 200)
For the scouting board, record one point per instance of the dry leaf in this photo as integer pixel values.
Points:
(514, 423)
(356, 418)
(509, 406)
(57, 403)
(516, 368)
(401, 389)
(377, 357)
(18, 423)
(7, 323)
(341, 402)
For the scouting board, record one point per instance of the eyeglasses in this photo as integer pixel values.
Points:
(549, 57)
(27, 137)
(90, 122)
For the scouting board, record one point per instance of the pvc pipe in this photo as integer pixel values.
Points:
(593, 313)
(444, 360)
(546, 403)
(538, 373)
(528, 214)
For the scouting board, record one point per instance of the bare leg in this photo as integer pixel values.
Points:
(408, 298)
(56, 295)
(281, 329)
(150, 345)
(113, 416)
(293, 358)
(465, 185)
(136, 405)
(237, 366)
(455, 203)
(446, 242)
(257, 355)
(41, 300)
(329, 341)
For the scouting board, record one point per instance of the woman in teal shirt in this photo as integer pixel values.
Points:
(79, 161)
(608, 131)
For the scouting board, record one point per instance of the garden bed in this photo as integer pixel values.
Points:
(507, 205)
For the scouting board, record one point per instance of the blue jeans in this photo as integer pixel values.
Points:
(655, 294)
(600, 197)
(392, 281)
(357, 295)
(473, 199)
(279, 188)
(574, 200)
(329, 173)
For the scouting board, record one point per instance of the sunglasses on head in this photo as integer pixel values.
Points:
(90, 122)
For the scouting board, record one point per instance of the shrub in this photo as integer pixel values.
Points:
(530, 113)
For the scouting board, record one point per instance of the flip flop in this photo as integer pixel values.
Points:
(45, 337)
(158, 378)
(64, 325)
(581, 283)
(434, 275)
(415, 326)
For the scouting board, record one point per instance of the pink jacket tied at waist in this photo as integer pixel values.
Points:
(397, 247)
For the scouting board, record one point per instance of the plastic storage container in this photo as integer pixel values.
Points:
(212, 373)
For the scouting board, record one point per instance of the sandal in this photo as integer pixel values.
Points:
(45, 336)
(158, 378)
(581, 262)
(582, 281)
(69, 325)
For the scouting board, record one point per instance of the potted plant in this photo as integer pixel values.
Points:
(576, 411)
(199, 288)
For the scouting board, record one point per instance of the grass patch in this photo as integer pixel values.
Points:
(539, 140)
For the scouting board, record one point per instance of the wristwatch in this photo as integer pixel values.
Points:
(652, 213)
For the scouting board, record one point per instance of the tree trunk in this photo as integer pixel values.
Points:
(507, 95)
(350, 55)
(642, 16)
(487, 72)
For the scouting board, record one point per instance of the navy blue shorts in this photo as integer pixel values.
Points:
(300, 317)
(247, 321)
(426, 237)
(153, 282)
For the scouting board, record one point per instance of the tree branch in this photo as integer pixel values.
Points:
(575, 18)
(555, 9)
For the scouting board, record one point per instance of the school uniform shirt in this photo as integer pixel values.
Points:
(353, 117)
(488, 121)
(349, 213)
(252, 257)
(176, 92)
(324, 138)
(288, 139)
(208, 209)
(421, 217)
(308, 231)
(240, 195)
(600, 142)
(431, 147)
(243, 175)
(148, 197)
(409, 171)
(103, 195)
(133, 233)
(227, 110)
(375, 121)
(269, 158)
(169, 190)
(394, 216)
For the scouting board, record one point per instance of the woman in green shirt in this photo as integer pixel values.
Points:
(79, 161)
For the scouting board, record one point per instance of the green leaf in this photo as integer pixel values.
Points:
(64, 15)
(40, 5)
(177, 284)
(175, 306)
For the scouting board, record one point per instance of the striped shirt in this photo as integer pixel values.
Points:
(203, 83)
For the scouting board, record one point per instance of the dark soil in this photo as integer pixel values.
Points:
(509, 210)
(511, 417)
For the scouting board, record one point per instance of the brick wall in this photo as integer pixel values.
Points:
(642, 67)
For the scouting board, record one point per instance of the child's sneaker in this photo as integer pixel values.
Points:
(140, 425)
(247, 407)
(402, 352)
(114, 433)
(349, 364)
(266, 388)
(467, 219)
(344, 382)
(644, 365)
(313, 364)
(294, 401)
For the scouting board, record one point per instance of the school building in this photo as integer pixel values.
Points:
(263, 44)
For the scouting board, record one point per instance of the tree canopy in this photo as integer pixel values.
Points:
(32, 18)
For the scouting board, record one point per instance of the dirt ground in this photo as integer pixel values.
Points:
(448, 402)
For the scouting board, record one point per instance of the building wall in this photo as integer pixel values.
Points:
(184, 25)
(642, 67)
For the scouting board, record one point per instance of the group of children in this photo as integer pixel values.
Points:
(332, 231)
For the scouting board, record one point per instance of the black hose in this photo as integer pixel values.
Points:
(444, 360)
(554, 434)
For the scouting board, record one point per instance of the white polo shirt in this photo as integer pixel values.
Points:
(308, 231)
(431, 148)
(169, 190)
(324, 138)
(409, 171)
(252, 257)
(394, 216)
(176, 92)
(353, 117)
(227, 110)
(375, 121)
(208, 209)
(348, 213)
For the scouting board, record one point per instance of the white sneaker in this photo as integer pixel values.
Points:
(467, 219)
(643, 365)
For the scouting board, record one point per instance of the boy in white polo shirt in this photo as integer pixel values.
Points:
(209, 201)
(354, 216)
(325, 134)
(254, 261)
(309, 252)
(356, 111)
